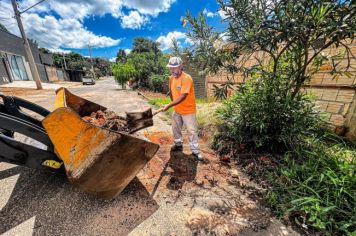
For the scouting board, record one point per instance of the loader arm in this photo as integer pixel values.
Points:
(41, 154)
(97, 160)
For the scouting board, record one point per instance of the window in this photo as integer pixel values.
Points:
(17, 67)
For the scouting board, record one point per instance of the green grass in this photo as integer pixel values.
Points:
(167, 100)
(318, 181)
(205, 110)
(159, 101)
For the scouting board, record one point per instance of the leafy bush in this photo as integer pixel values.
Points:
(123, 72)
(221, 92)
(262, 116)
(317, 185)
(159, 83)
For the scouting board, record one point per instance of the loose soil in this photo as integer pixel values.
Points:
(150, 94)
(107, 119)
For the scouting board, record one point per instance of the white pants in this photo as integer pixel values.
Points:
(190, 121)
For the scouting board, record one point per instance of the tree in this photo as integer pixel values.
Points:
(176, 49)
(102, 66)
(121, 56)
(123, 72)
(292, 34)
(147, 59)
(141, 45)
(75, 61)
(287, 39)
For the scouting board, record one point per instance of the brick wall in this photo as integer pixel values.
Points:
(336, 97)
(198, 79)
(350, 122)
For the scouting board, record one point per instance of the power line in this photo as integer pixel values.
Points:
(31, 60)
(32, 6)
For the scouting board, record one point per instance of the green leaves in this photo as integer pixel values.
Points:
(159, 83)
(259, 115)
(123, 72)
(325, 187)
(147, 60)
(285, 30)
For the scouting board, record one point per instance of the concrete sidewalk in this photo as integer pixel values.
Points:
(32, 84)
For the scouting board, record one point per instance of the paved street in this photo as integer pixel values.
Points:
(172, 195)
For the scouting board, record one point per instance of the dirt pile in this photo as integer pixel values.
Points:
(107, 119)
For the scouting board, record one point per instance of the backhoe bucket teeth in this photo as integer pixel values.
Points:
(96, 160)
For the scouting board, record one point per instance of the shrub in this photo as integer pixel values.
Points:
(262, 116)
(317, 186)
(123, 72)
(159, 83)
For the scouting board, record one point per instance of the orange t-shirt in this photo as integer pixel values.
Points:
(180, 85)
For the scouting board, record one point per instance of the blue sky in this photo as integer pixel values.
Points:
(106, 25)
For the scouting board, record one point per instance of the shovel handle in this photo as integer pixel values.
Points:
(156, 112)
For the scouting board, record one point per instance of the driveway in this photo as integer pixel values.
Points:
(173, 195)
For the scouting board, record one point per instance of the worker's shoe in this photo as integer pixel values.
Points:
(199, 156)
(177, 148)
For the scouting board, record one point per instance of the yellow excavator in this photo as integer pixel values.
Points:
(97, 160)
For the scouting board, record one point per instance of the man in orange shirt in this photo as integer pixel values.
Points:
(183, 100)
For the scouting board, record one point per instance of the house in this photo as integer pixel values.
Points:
(14, 65)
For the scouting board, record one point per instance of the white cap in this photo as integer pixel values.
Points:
(175, 62)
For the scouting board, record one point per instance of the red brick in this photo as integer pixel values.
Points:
(335, 107)
(337, 120)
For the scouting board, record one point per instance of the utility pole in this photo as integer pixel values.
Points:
(65, 64)
(65, 67)
(29, 55)
(91, 60)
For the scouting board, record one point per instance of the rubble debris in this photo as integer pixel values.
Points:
(107, 119)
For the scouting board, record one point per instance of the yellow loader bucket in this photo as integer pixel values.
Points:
(97, 160)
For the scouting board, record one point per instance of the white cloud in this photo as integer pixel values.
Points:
(58, 50)
(224, 37)
(208, 13)
(63, 33)
(79, 9)
(127, 51)
(223, 14)
(134, 20)
(166, 41)
(67, 30)
(188, 41)
(113, 59)
(6, 17)
(149, 7)
(55, 34)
